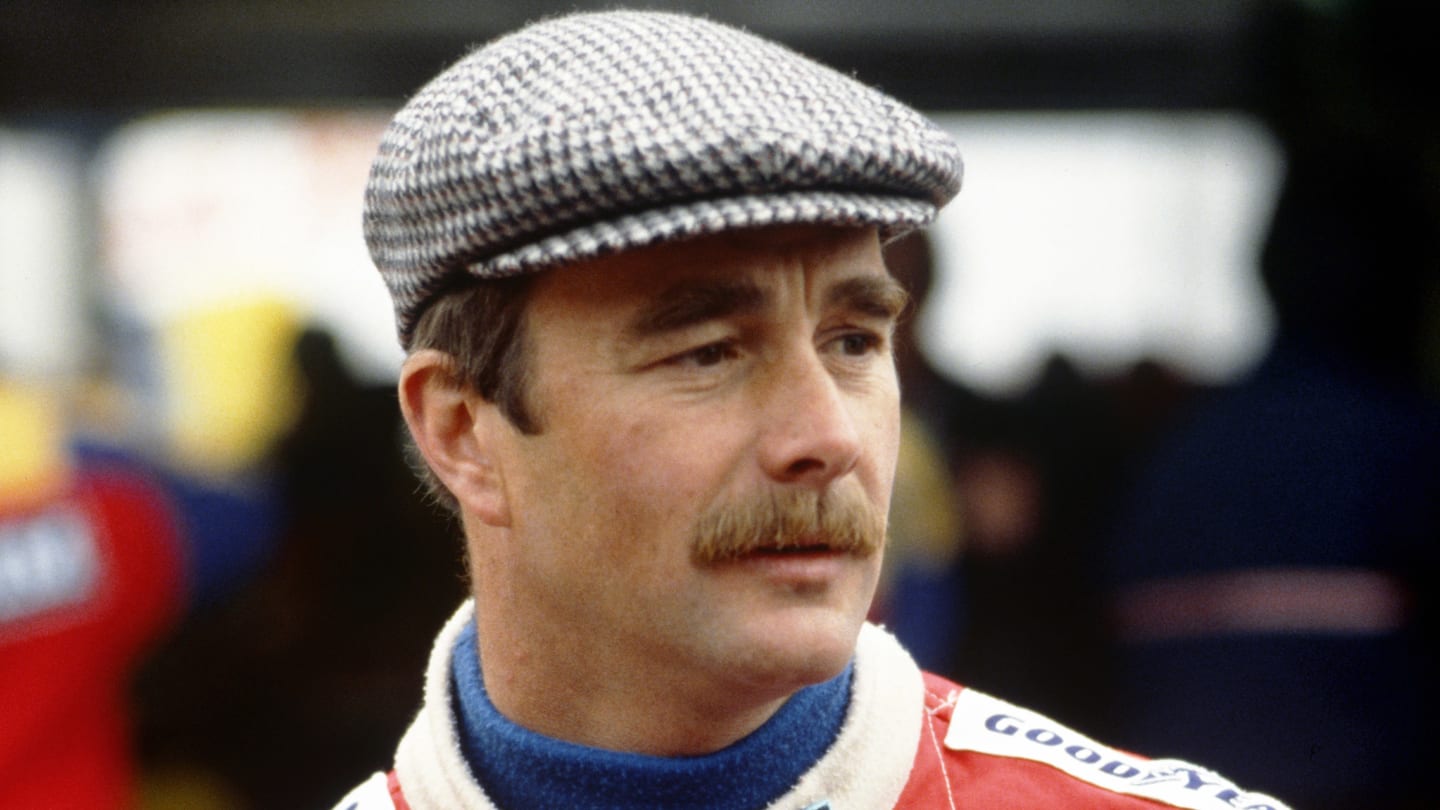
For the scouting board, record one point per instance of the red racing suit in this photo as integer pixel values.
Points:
(88, 578)
(910, 741)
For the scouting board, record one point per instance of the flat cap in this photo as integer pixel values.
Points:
(589, 134)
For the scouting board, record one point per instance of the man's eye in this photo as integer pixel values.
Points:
(859, 343)
(711, 354)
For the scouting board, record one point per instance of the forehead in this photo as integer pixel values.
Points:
(823, 256)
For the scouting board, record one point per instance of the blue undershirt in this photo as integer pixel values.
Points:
(519, 768)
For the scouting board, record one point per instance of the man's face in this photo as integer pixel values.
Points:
(699, 404)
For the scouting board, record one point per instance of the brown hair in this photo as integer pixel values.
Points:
(481, 327)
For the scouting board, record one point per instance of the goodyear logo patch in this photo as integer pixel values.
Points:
(991, 726)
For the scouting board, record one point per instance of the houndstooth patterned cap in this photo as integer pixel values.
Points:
(594, 133)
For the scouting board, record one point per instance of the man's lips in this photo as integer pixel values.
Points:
(797, 566)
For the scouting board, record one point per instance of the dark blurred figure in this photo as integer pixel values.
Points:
(1028, 483)
(929, 395)
(317, 662)
(1038, 477)
(919, 591)
(1274, 570)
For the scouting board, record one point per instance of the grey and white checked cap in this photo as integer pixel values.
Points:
(590, 134)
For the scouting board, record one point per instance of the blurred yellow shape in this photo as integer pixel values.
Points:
(34, 461)
(925, 521)
(231, 384)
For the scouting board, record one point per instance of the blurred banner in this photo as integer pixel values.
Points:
(1106, 237)
(43, 329)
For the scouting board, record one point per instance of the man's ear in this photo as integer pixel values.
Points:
(445, 418)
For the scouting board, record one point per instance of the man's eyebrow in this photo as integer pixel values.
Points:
(877, 296)
(689, 304)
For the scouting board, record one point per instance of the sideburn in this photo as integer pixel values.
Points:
(482, 326)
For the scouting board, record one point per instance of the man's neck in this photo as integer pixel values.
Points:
(668, 714)
(521, 768)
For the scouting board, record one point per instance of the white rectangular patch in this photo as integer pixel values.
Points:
(47, 562)
(990, 726)
(372, 794)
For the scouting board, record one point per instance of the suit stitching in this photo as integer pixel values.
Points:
(940, 704)
(935, 740)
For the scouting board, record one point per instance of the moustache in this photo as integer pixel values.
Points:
(779, 520)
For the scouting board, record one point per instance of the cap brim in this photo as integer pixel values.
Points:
(892, 215)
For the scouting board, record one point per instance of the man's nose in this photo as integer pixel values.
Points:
(810, 435)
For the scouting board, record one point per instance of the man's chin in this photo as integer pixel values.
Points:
(796, 650)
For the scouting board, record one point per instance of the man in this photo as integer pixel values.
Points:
(636, 264)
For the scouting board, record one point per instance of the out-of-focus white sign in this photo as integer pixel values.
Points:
(207, 207)
(43, 330)
(1105, 237)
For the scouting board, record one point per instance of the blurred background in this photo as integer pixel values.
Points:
(1171, 470)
